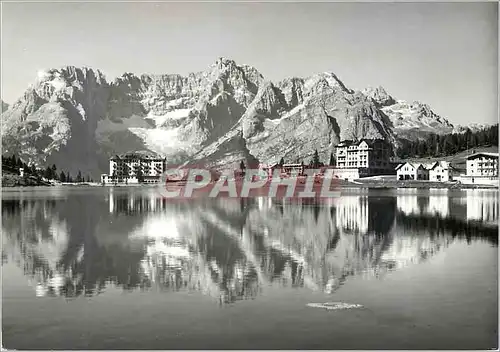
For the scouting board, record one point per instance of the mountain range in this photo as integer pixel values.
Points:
(77, 119)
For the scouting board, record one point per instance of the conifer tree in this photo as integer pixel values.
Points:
(315, 159)
(332, 160)
(79, 177)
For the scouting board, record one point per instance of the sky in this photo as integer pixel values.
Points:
(442, 54)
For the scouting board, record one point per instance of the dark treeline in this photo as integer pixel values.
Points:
(314, 161)
(13, 164)
(441, 145)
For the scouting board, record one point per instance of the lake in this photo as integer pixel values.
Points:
(123, 268)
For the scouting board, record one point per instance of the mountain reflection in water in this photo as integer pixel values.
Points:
(73, 244)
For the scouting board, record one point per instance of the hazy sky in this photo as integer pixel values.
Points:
(443, 54)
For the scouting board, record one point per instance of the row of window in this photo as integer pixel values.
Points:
(484, 165)
(484, 172)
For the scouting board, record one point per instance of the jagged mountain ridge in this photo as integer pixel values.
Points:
(410, 120)
(74, 118)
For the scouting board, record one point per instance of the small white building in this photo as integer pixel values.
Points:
(411, 171)
(440, 171)
(293, 169)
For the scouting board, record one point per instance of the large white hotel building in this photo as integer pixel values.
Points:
(363, 158)
(135, 167)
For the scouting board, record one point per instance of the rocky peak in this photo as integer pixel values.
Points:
(240, 81)
(423, 109)
(379, 95)
(5, 106)
(55, 120)
(64, 83)
(128, 79)
(324, 83)
(224, 62)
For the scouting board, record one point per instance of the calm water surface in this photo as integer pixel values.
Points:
(101, 268)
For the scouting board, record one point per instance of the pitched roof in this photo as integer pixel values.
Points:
(444, 164)
(414, 165)
(371, 141)
(430, 166)
(482, 153)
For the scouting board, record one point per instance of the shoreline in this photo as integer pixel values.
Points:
(337, 184)
(417, 184)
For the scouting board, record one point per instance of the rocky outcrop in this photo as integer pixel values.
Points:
(328, 112)
(379, 96)
(76, 119)
(5, 106)
(55, 120)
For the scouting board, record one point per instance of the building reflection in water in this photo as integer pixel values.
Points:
(231, 249)
(439, 202)
(482, 206)
(352, 213)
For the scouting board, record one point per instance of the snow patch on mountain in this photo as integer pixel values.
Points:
(81, 110)
(412, 120)
(161, 120)
(473, 127)
(287, 114)
(162, 141)
(43, 75)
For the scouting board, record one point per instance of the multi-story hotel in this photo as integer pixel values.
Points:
(482, 168)
(482, 164)
(363, 158)
(135, 167)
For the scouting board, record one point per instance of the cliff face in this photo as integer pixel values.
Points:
(178, 116)
(325, 113)
(76, 119)
(55, 120)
